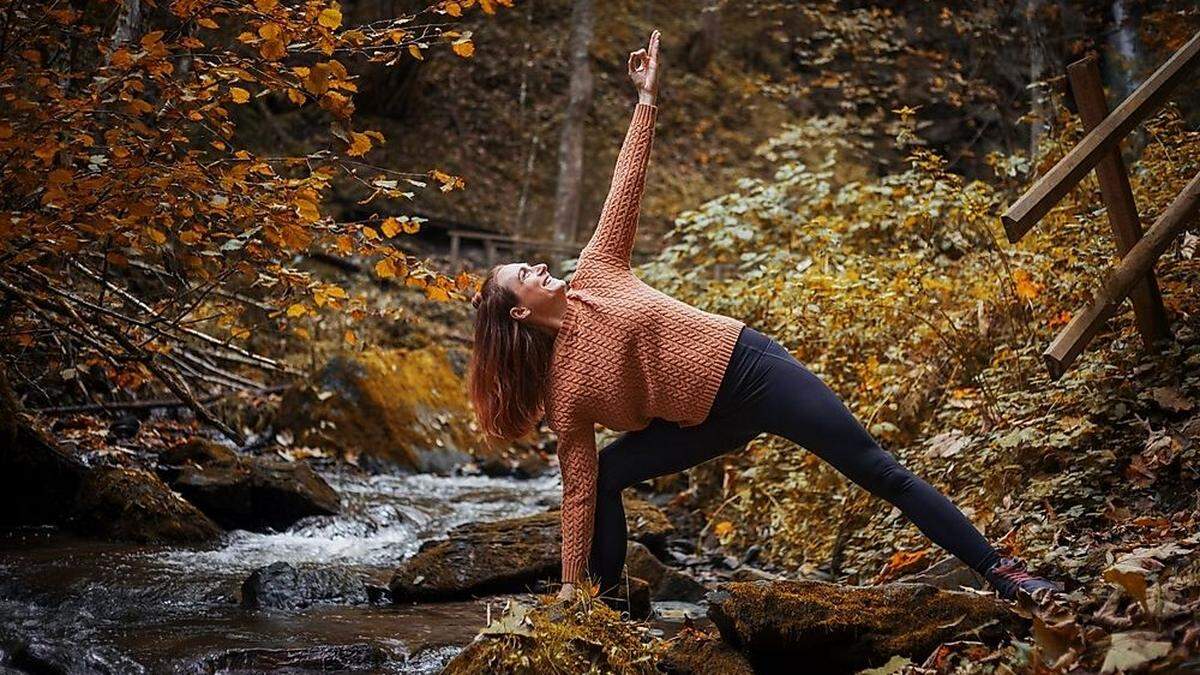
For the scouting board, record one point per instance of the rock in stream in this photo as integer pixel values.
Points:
(505, 556)
(246, 492)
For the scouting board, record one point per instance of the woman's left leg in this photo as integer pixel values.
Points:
(660, 449)
(801, 408)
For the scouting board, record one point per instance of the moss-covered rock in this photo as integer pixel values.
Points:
(135, 505)
(406, 407)
(42, 483)
(583, 637)
(505, 556)
(244, 492)
(832, 628)
(697, 652)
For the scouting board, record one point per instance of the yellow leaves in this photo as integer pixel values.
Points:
(416, 52)
(297, 310)
(330, 294)
(314, 78)
(330, 17)
(448, 182)
(265, 5)
(269, 31)
(385, 268)
(723, 528)
(452, 8)
(436, 293)
(207, 23)
(464, 48)
(359, 144)
(1027, 288)
(349, 337)
(239, 95)
(390, 227)
(272, 50)
(156, 236)
(306, 205)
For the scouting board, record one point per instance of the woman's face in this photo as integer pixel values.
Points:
(540, 295)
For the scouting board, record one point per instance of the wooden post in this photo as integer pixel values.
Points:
(489, 245)
(1118, 198)
(455, 238)
(1066, 174)
(1128, 273)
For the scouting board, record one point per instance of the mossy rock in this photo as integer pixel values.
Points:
(557, 638)
(505, 556)
(697, 652)
(247, 492)
(135, 505)
(833, 629)
(404, 407)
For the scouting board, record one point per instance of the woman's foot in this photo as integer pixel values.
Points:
(1010, 579)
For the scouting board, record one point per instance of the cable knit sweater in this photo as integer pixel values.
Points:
(626, 352)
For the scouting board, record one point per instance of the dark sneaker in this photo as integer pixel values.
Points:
(1010, 578)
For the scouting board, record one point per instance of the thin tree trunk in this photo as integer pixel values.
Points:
(570, 149)
(702, 44)
(1037, 67)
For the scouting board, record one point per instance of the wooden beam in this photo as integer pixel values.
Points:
(1118, 198)
(1066, 174)
(1133, 268)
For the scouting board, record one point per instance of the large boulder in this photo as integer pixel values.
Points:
(42, 483)
(246, 492)
(282, 586)
(833, 629)
(505, 556)
(405, 407)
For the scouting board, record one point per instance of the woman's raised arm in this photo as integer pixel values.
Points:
(613, 238)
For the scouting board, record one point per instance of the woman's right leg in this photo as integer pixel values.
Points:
(803, 409)
(659, 449)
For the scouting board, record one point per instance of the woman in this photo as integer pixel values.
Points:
(684, 384)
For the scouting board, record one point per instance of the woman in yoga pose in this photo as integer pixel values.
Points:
(684, 385)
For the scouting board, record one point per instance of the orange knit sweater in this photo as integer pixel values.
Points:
(626, 352)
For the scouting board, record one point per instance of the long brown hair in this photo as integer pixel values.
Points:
(510, 364)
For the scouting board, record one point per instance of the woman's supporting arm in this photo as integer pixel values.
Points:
(578, 463)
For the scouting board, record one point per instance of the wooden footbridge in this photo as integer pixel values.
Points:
(1133, 277)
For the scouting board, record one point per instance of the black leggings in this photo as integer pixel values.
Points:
(765, 389)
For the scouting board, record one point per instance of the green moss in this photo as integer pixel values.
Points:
(584, 637)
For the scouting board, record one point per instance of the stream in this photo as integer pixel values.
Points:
(174, 609)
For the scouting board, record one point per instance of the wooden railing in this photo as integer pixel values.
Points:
(1100, 150)
(518, 247)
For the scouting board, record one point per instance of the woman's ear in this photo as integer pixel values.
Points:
(519, 312)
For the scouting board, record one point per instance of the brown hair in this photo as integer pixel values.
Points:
(510, 364)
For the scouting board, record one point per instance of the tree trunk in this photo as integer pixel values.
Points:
(570, 149)
(1037, 68)
(702, 45)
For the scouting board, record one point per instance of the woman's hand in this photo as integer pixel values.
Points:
(643, 70)
(567, 592)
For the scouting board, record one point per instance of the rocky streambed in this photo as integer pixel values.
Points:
(80, 605)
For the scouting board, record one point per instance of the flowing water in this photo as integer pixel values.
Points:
(171, 608)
